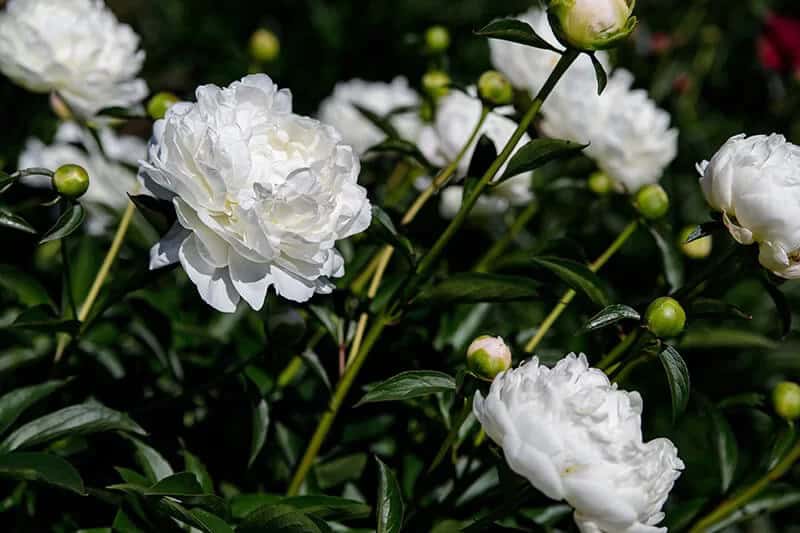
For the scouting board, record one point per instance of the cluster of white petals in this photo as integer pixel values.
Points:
(75, 47)
(755, 183)
(395, 99)
(456, 118)
(110, 165)
(576, 437)
(262, 194)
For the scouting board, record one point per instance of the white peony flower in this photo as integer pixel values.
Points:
(576, 437)
(380, 98)
(262, 194)
(456, 118)
(753, 182)
(630, 138)
(111, 177)
(75, 47)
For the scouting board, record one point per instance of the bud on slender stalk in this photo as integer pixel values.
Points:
(665, 317)
(495, 89)
(158, 104)
(71, 181)
(436, 83)
(264, 46)
(592, 24)
(786, 400)
(698, 248)
(437, 39)
(652, 202)
(488, 356)
(600, 183)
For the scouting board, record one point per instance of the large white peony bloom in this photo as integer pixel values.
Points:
(630, 138)
(576, 437)
(753, 182)
(262, 194)
(109, 164)
(381, 98)
(75, 47)
(456, 118)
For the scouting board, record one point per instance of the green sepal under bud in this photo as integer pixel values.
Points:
(786, 400)
(488, 356)
(71, 181)
(601, 183)
(264, 46)
(652, 201)
(495, 89)
(665, 317)
(436, 83)
(159, 103)
(697, 249)
(437, 39)
(591, 25)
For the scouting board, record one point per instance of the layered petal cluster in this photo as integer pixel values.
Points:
(456, 118)
(629, 137)
(110, 165)
(262, 194)
(576, 437)
(395, 99)
(755, 183)
(75, 47)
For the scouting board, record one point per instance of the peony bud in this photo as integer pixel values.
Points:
(437, 39)
(786, 400)
(495, 89)
(600, 183)
(436, 83)
(698, 248)
(158, 104)
(264, 46)
(71, 181)
(665, 317)
(488, 356)
(651, 201)
(592, 24)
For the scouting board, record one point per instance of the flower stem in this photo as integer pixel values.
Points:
(570, 294)
(501, 245)
(617, 352)
(102, 274)
(736, 501)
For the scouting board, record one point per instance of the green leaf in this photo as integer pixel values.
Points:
(159, 213)
(327, 318)
(538, 153)
(379, 122)
(281, 519)
(339, 470)
(670, 257)
(781, 305)
(774, 498)
(384, 230)
(705, 338)
(515, 31)
(328, 507)
(75, 420)
(14, 403)
(784, 438)
(43, 467)
(611, 315)
(390, 501)
(29, 291)
(260, 424)
(600, 74)
(725, 446)
(678, 379)
(12, 221)
(69, 221)
(402, 147)
(474, 287)
(177, 485)
(40, 318)
(153, 464)
(195, 466)
(679, 517)
(709, 307)
(407, 385)
(198, 518)
(577, 276)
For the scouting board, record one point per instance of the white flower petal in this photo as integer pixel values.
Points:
(166, 251)
(213, 284)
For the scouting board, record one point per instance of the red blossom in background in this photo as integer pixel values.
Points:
(779, 44)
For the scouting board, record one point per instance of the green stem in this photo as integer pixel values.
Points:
(727, 507)
(502, 245)
(570, 294)
(618, 351)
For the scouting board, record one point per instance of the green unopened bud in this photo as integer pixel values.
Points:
(158, 104)
(665, 317)
(71, 181)
(651, 201)
(437, 39)
(592, 24)
(488, 356)
(698, 248)
(426, 111)
(495, 89)
(436, 83)
(786, 400)
(600, 183)
(264, 46)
